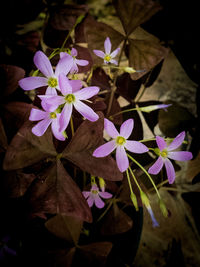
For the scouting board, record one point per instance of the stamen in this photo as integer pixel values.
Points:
(52, 82)
(53, 115)
(120, 140)
(70, 98)
(107, 58)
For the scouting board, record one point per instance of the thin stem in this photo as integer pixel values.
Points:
(72, 126)
(135, 179)
(129, 182)
(123, 111)
(141, 167)
(113, 89)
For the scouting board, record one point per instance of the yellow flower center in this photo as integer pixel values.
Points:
(70, 98)
(120, 140)
(53, 115)
(107, 58)
(164, 153)
(94, 192)
(52, 82)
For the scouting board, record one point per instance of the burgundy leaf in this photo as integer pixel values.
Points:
(132, 13)
(3, 138)
(100, 79)
(57, 193)
(79, 151)
(83, 53)
(116, 222)
(9, 78)
(65, 227)
(144, 55)
(26, 148)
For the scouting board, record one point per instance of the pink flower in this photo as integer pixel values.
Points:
(166, 152)
(120, 142)
(107, 56)
(51, 78)
(93, 196)
(72, 56)
(46, 118)
(71, 96)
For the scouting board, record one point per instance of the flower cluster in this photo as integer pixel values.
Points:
(63, 94)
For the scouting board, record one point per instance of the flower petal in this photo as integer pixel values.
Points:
(65, 117)
(50, 103)
(99, 53)
(105, 195)
(74, 68)
(87, 92)
(122, 159)
(113, 61)
(136, 147)
(178, 140)
(81, 62)
(74, 52)
(42, 62)
(180, 155)
(64, 65)
(105, 149)
(30, 83)
(86, 194)
(64, 84)
(37, 114)
(86, 111)
(55, 126)
(90, 201)
(50, 91)
(109, 127)
(115, 52)
(126, 128)
(161, 143)
(107, 45)
(99, 202)
(40, 128)
(157, 166)
(170, 171)
(76, 85)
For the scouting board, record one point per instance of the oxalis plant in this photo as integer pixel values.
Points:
(79, 158)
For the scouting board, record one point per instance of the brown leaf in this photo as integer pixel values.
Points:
(3, 138)
(79, 151)
(132, 13)
(96, 35)
(116, 222)
(65, 227)
(10, 75)
(100, 79)
(83, 53)
(26, 148)
(144, 55)
(57, 193)
(16, 183)
(94, 254)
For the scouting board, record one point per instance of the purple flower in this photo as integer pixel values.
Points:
(46, 118)
(154, 107)
(71, 96)
(93, 196)
(75, 61)
(51, 78)
(166, 152)
(120, 142)
(107, 56)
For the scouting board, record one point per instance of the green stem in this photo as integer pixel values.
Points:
(113, 89)
(135, 179)
(72, 126)
(142, 168)
(129, 182)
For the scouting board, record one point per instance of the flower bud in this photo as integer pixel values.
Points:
(134, 200)
(163, 208)
(102, 184)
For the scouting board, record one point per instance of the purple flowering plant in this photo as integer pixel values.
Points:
(77, 153)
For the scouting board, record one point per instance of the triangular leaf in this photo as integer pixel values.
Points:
(57, 193)
(65, 227)
(79, 151)
(26, 148)
(116, 222)
(144, 55)
(132, 13)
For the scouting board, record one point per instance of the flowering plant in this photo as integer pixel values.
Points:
(75, 155)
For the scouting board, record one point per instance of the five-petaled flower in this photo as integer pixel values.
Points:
(73, 54)
(107, 56)
(71, 96)
(120, 142)
(46, 118)
(166, 152)
(51, 78)
(93, 196)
